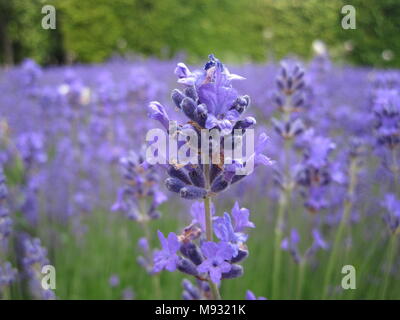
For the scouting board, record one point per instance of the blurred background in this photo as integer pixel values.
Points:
(92, 31)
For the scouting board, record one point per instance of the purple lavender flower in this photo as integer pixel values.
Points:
(146, 259)
(315, 173)
(128, 294)
(114, 281)
(166, 258)
(209, 102)
(35, 257)
(387, 117)
(290, 99)
(233, 233)
(241, 218)
(392, 217)
(6, 222)
(319, 242)
(7, 275)
(251, 296)
(291, 244)
(190, 292)
(140, 183)
(217, 256)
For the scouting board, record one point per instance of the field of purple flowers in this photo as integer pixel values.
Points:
(318, 219)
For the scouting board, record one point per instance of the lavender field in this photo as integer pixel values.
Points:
(319, 218)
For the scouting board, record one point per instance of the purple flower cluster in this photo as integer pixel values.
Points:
(209, 102)
(34, 259)
(192, 254)
(392, 216)
(5, 219)
(140, 197)
(387, 117)
(7, 273)
(315, 172)
(290, 100)
(291, 244)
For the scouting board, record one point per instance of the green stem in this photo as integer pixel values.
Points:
(144, 223)
(208, 217)
(283, 203)
(209, 228)
(300, 280)
(348, 204)
(390, 259)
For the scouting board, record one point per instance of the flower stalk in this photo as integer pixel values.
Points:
(348, 205)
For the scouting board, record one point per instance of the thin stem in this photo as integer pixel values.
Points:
(348, 204)
(146, 229)
(209, 228)
(300, 280)
(283, 204)
(390, 259)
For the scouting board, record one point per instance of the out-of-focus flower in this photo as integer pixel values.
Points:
(7, 275)
(140, 185)
(392, 217)
(387, 117)
(251, 296)
(114, 281)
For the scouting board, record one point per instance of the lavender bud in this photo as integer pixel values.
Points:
(174, 184)
(186, 296)
(191, 289)
(201, 114)
(299, 86)
(191, 251)
(289, 83)
(241, 104)
(236, 271)
(242, 254)
(177, 97)
(143, 244)
(296, 128)
(278, 100)
(197, 177)
(191, 93)
(142, 262)
(203, 285)
(179, 174)
(245, 123)
(189, 107)
(188, 267)
(219, 184)
(214, 172)
(280, 84)
(192, 192)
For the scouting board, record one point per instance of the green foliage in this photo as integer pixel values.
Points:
(239, 30)
(377, 30)
(22, 23)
